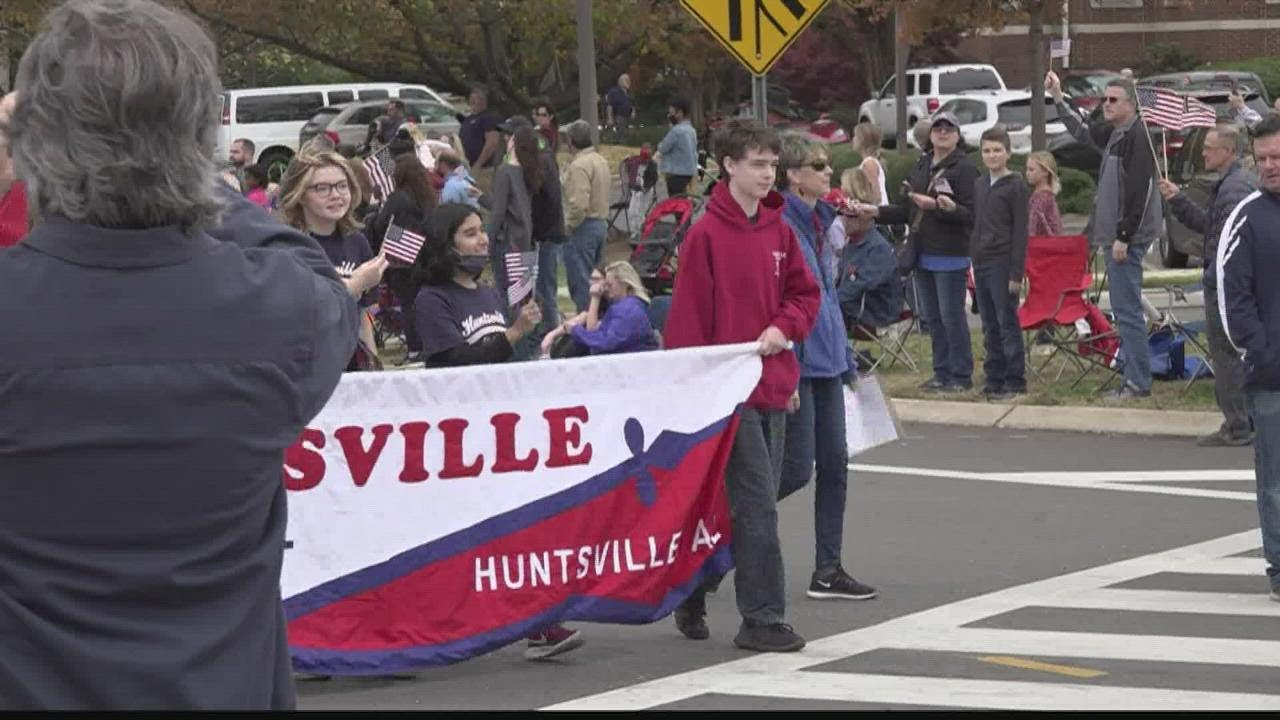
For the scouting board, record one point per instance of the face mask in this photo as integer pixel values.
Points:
(472, 264)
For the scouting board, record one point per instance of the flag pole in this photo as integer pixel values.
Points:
(1143, 120)
(1164, 149)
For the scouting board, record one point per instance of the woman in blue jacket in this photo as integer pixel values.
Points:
(625, 326)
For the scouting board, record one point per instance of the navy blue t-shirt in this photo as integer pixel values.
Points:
(473, 131)
(449, 315)
(347, 253)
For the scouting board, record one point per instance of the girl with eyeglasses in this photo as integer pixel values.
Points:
(318, 195)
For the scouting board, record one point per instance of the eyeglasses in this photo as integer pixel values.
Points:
(324, 190)
(1112, 99)
(818, 165)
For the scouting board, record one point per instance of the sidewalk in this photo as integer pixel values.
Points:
(1107, 420)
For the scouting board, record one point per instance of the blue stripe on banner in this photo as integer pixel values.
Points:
(595, 609)
(667, 451)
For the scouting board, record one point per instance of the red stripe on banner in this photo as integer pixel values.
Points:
(614, 546)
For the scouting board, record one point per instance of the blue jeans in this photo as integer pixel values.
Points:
(1005, 366)
(1125, 281)
(582, 253)
(815, 436)
(548, 287)
(1265, 409)
(942, 303)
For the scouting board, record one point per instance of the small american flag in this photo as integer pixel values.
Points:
(522, 273)
(380, 166)
(1173, 111)
(400, 244)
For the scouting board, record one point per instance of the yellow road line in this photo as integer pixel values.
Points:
(1026, 664)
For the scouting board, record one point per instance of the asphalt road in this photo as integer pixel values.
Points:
(1016, 570)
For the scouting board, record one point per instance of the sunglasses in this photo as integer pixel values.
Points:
(1111, 99)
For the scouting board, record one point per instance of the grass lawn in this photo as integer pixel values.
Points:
(1048, 388)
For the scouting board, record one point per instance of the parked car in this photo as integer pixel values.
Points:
(978, 112)
(1085, 87)
(928, 88)
(1179, 246)
(819, 126)
(272, 116)
(351, 120)
(1211, 82)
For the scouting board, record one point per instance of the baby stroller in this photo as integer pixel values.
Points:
(653, 251)
(388, 318)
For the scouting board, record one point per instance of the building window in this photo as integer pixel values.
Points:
(1116, 3)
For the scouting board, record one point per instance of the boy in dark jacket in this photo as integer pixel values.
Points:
(1249, 303)
(999, 250)
(743, 278)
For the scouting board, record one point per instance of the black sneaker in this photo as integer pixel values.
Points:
(778, 637)
(691, 617)
(932, 383)
(990, 390)
(839, 586)
(1220, 439)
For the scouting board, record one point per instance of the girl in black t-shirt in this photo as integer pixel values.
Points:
(462, 323)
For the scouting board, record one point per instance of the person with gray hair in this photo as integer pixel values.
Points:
(144, 516)
(1221, 153)
(587, 182)
(1127, 215)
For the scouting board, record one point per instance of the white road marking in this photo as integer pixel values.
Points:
(942, 629)
(1141, 481)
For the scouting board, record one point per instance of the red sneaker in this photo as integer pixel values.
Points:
(552, 641)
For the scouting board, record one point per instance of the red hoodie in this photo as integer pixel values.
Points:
(13, 215)
(737, 278)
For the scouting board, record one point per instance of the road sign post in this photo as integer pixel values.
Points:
(760, 98)
(756, 32)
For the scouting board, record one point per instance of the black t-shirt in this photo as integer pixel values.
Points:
(473, 131)
(450, 315)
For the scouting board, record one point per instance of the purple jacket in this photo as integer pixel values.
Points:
(624, 328)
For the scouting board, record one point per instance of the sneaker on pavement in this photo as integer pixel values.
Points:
(691, 618)
(1221, 439)
(553, 641)
(1125, 393)
(839, 586)
(778, 637)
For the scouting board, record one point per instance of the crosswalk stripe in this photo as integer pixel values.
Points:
(1101, 646)
(1012, 695)
(1254, 567)
(1205, 603)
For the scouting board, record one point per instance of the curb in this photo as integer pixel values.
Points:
(1171, 423)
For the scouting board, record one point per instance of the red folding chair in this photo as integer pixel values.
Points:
(1058, 277)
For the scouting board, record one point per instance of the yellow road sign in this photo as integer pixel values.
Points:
(756, 32)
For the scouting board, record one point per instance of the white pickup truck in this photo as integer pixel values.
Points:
(928, 88)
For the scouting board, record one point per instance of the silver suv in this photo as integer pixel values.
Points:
(351, 120)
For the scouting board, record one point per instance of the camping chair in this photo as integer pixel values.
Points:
(1059, 274)
(1166, 320)
(890, 339)
(635, 178)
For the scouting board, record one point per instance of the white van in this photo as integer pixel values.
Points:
(273, 117)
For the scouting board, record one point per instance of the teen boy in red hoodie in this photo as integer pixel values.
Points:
(743, 278)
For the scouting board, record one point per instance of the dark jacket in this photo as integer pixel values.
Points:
(1234, 186)
(1000, 223)
(547, 204)
(1248, 295)
(142, 506)
(939, 232)
(869, 288)
(1132, 158)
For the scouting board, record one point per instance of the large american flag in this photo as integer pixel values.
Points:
(380, 166)
(400, 244)
(1172, 111)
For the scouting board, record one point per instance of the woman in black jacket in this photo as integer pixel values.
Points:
(938, 205)
(408, 206)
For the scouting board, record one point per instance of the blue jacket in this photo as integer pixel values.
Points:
(624, 328)
(1248, 296)
(825, 353)
(679, 150)
(143, 509)
(870, 270)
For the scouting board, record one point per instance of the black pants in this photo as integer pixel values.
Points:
(399, 281)
(677, 184)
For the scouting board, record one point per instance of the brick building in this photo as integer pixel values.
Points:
(1113, 34)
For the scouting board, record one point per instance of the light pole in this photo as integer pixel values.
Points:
(587, 106)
